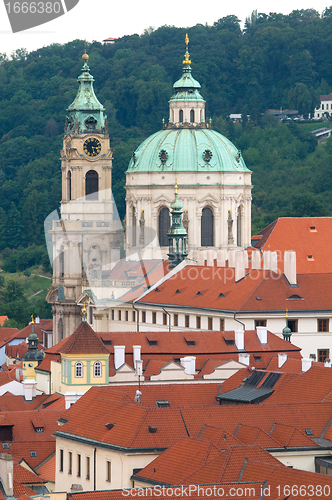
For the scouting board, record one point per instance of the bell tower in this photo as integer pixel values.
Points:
(85, 239)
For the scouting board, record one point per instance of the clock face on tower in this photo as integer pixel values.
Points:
(92, 147)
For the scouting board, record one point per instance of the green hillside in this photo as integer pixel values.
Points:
(275, 61)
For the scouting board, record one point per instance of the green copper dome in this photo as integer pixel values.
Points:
(187, 150)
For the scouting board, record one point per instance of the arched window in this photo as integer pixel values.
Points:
(181, 115)
(78, 369)
(69, 185)
(207, 227)
(97, 369)
(62, 262)
(192, 116)
(91, 185)
(60, 329)
(164, 225)
(239, 226)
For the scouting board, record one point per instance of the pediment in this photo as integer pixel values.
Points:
(52, 295)
(125, 368)
(171, 365)
(84, 297)
(208, 198)
(162, 199)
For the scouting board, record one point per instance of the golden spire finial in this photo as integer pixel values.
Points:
(186, 56)
(286, 314)
(84, 311)
(32, 320)
(176, 185)
(85, 56)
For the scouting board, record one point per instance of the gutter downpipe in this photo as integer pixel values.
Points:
(169, 318)
(94, 468)
(137, 316)
(244, 327)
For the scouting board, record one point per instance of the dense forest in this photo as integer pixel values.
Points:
(274, 61)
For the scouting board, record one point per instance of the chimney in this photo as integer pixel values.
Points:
(267, 259)
(119, 356)
(196, 255)
(29, 390)
(221, 258)
(274, 262)
(136, 354)
(327, 363)
(239, 265)
(210, 257)
(6, 473)
(188, 363)
(262, 334)
(306, 364)
(72, 397)
(239, 339)
(76, 487)
(37, 320)
(282, 358)
(244, 358)
(290, 266)
(231, 258)
(255, 259)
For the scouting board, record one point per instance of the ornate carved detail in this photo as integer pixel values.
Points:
(230, 228)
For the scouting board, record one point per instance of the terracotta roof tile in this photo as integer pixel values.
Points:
(47, 469)
(84, 340)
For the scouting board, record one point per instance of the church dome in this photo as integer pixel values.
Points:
(187, 149)
(187, 143)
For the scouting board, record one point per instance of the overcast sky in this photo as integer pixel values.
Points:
(99, 19)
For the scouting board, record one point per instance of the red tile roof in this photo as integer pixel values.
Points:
(38, 327)
(3, 319)
(305, 235)
(47, 469)
(84, 340)
(273, 291)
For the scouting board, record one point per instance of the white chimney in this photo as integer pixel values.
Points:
(239, 339)
(239, 266)
(274, 262)
(244, 358)
(119, 356)
(6, 473)
(255, 259)
(221, 258)
(231, 258)
(202, 258)
(327, 363)
(37, 320)
(29, 389)
(245, 259)
(189, 364)
(267, 259)
(306, 364)
(196, 255)
(290, 266)
(136, 353)
(282, 358)
(262, 334)
(72, 397)
(210, 257)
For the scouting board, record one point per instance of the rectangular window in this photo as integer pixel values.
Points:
(119, 314)
(108, 471)
(164, 319)
(323, 354)
(154, 318)
(186, 321)
(292, 324)
(143, 317)
(176, 320)
(91, 315)
(322, 106)
(70, 463)
(127, 316)
(78, 465)
(112, 314)
(222, 325)
(198, 322)
(210, 323)
(322, 325)
(61, 461)
(134, 315)
(260, 322)
(88, 468)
